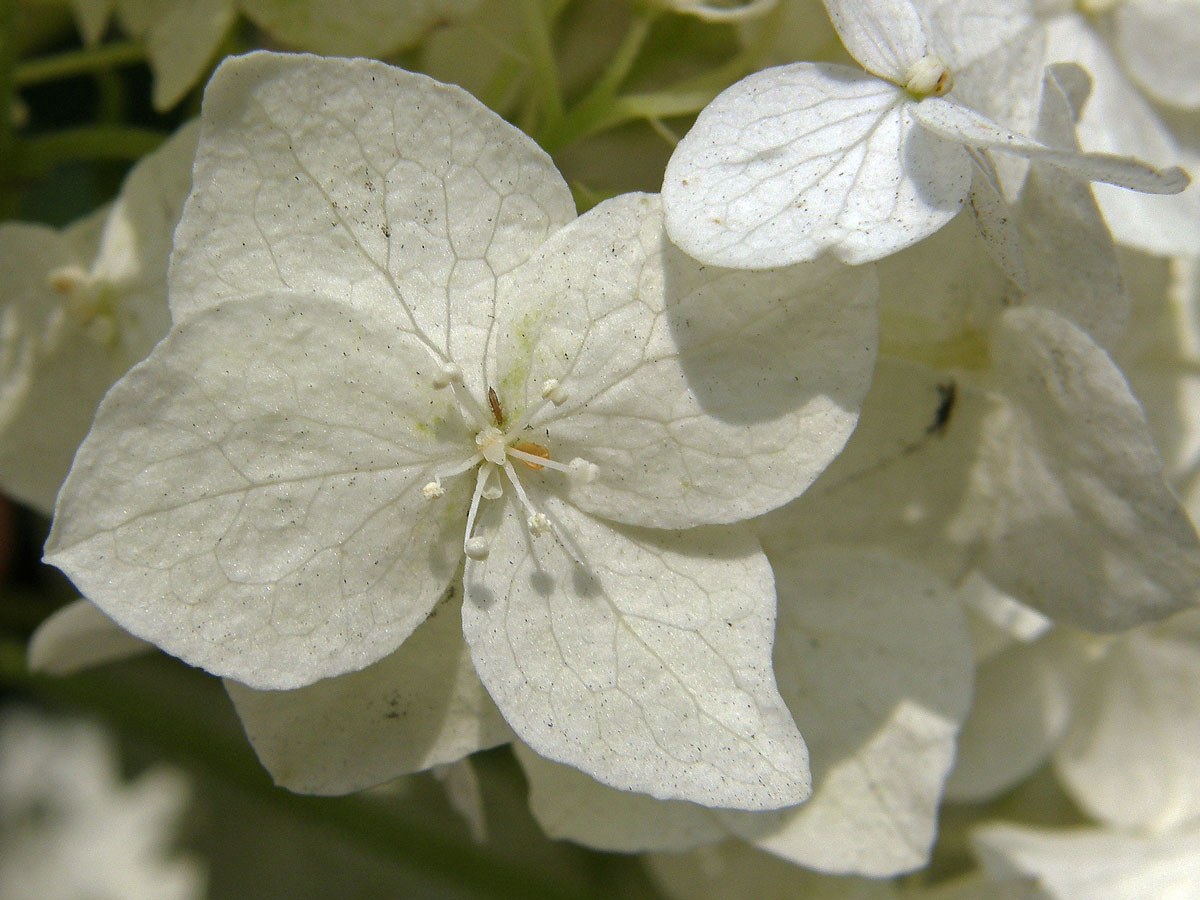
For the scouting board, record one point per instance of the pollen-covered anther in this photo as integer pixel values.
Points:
(928, 76)
(539, 523)
(433, 490)
(581, 471)
(554, 392)
(448, 374)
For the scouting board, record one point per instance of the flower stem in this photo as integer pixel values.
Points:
(37, 156)
(597, 105)
(545, 84)
(79, 62)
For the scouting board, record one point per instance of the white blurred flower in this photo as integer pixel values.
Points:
(79, 308)
(72, 829)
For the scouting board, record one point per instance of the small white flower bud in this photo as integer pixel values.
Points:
(929, 75)
(476, 548)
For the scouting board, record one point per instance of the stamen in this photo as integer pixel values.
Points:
(577, 470)
(529, 448)
(538, 522)
(449, 374)
(469, 405)
(553, 391)
(475, 546)
(433, 490)
(470, 463)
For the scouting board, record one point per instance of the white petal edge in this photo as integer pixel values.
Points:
(77, 637)
(420, 707)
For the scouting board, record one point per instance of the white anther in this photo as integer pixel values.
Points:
(476, 548)
(448, 375)
(553, 391)
(581, 471)
(929, 75)
(539, 524)
(433, 490)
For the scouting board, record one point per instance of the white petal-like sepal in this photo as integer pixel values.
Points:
(646, 664)
(1067, 470)
(360, 181)
(802, 159)
(874, 660)
(697, 395)
(250, 497)
(956, 122)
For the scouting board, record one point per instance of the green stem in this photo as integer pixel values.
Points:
(631, 45)
(600, 112)
(545, 83)
(38, 155)
(79, 62)
(147, 708)
(9, 200)
(596, 106)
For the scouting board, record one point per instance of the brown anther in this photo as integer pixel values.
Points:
(494, 403)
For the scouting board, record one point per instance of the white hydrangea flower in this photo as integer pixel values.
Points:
(70, 828)
(808, 158)
(79, 308)
(999, 434)
(393, 350)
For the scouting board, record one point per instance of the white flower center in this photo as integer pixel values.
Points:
(929, 75)
(496, 446)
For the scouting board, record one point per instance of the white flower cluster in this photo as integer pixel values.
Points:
(853, 475)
